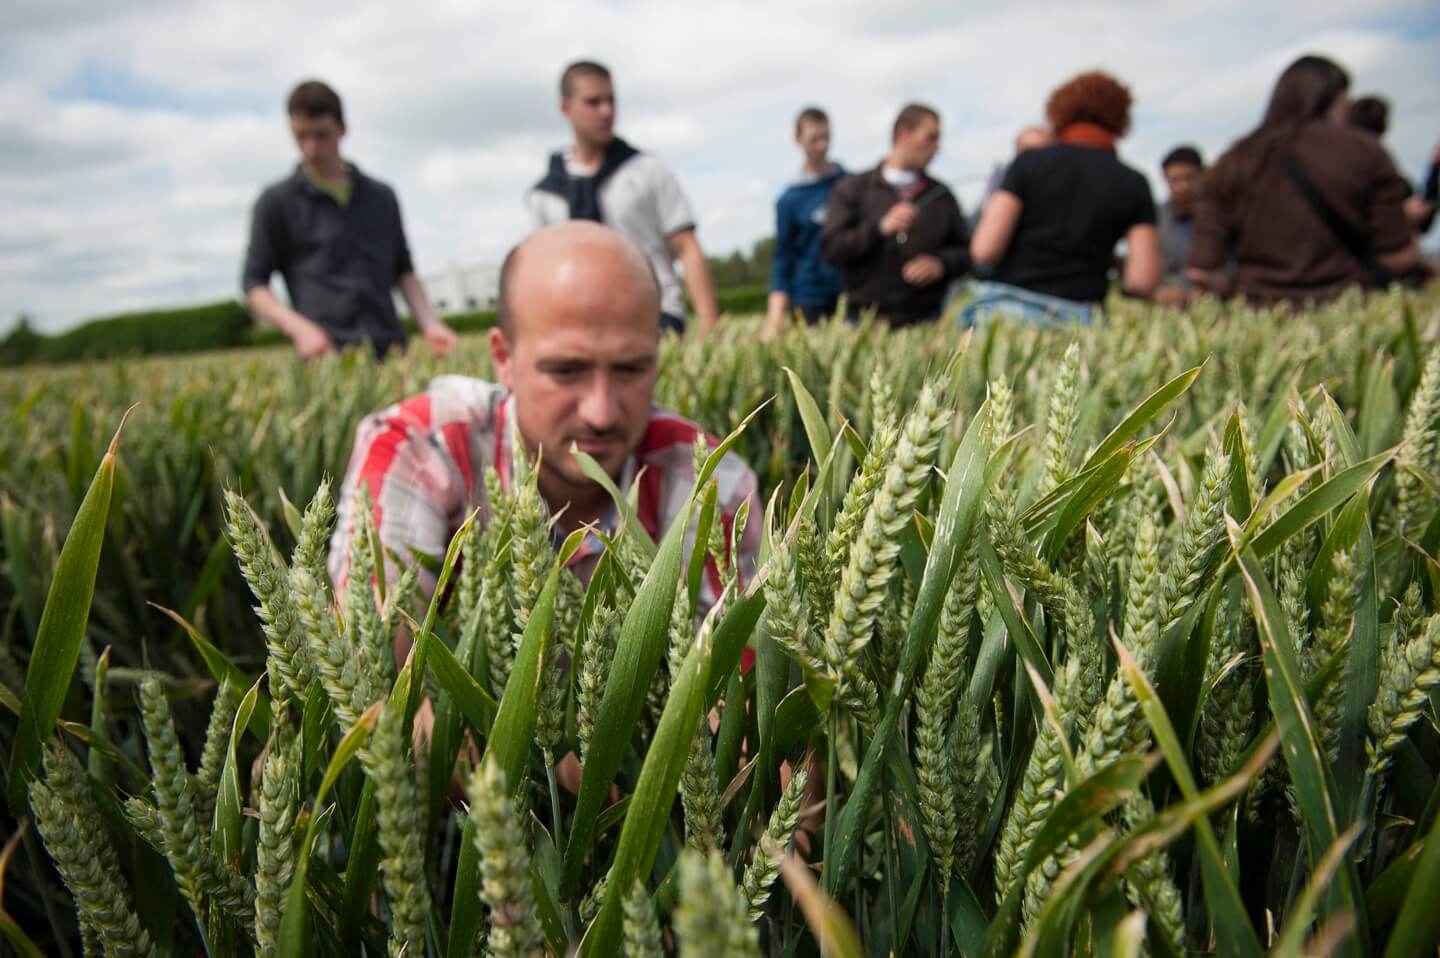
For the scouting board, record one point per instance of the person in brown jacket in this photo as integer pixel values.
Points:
(1306, 206)
(896, 233)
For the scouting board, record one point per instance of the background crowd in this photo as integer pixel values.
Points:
(1304, 206)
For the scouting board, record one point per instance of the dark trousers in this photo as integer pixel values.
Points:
(813, 314)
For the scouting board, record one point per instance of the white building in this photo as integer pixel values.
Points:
(461, 289)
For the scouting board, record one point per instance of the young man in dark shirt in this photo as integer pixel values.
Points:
(897, 233)
(337, 238)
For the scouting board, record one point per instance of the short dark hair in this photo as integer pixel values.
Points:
(1370, 113)
(578, 69)
(313, 98)
(811, 114)
(1182, 154)
(912, 115)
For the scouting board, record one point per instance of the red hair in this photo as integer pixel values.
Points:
(1092, 97)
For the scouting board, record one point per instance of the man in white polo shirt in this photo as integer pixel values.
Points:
(603, 178)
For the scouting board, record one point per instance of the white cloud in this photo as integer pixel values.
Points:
(135, 134)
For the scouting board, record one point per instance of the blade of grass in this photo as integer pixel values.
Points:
(62, 628)
(654, 794)
(1233, 931)
(1308, 769)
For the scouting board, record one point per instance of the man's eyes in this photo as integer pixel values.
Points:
(624, 371)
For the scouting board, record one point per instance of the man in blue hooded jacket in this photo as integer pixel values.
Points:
(801, 280)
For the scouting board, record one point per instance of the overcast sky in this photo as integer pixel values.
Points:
(134, 136)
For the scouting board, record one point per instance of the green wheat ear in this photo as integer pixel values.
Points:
(710, 917)
(398, 821)
(764, 868)
(71, 826)
(642, 929)
(504, 865)
(280, 788)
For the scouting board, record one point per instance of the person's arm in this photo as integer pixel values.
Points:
(782, 275)
(997, 227)
(1210, 248)
(1393, 235)
(1144, 264)
(309, 338)
(847, 236)
(440, 337)
(414, 485)
(263, 257)
(1401, 260)
(698, 281)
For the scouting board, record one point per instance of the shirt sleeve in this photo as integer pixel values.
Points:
(1385, 218)
(267, 243)
(1144, 204)
(672, 207)
(1017, 177)
(535, 206)
(404, 264)
(782, 263)
(415, 485)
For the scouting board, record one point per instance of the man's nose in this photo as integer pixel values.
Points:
(600, 405)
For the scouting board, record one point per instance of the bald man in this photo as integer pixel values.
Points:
(575, 353)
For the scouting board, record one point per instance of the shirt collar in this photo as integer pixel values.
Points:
(302, 180)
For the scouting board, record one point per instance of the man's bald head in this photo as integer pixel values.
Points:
(577, 345)
(572, 263)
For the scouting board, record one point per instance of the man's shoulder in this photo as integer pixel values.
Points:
(448, 399)
(852, 184)
(937, 186)
(378, 186)
(278, 191)
(669, 440)
(645, 171)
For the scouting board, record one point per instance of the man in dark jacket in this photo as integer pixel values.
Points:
(897, 234)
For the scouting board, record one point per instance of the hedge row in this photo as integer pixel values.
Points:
(222, 325)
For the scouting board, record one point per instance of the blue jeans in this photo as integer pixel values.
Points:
(1001, 299)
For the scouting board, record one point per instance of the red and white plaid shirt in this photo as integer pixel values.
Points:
(424, 459)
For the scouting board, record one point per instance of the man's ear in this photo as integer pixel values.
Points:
(503, 356)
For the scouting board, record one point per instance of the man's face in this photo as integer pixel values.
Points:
(1183, 179)
(581, 373)
(318, 138)
(590, 108)
(814, 141)
(919, 144)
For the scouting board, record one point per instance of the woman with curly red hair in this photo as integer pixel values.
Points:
(1306, 205)
(1051, 229)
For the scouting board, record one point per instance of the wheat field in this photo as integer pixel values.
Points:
(1107, 641)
